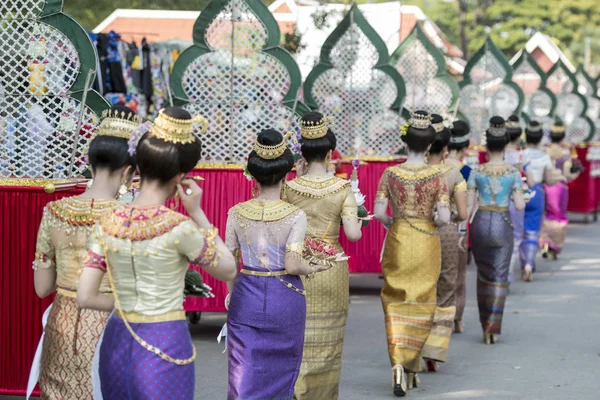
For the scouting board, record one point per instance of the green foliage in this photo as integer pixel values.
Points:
(90, 13)
(511, 23)
(292, 42)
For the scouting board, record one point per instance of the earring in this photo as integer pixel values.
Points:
(122, 190)
(255, 190)
(175, 202)
(426, 158)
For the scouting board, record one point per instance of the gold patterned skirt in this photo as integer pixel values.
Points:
(70, 339)
(438, 342)
(326, 313)
(411, 268)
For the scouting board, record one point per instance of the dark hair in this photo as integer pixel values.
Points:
(459, 129)
(442, 138)
(494, 142)
(110, 152)
(161, 160)
(317, 149)
(534, 137)
(418, 140)
(514, 134)
(270, 172)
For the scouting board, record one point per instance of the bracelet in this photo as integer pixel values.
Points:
(227, 300)
(314, 270)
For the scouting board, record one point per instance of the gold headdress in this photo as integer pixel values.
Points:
(513, 124)
(174, 130)
(420, 121)
(272, 152)
(558, 129)
(118, 123)
(497, 129)
(315, 130)
(534, 128)
(439, 126)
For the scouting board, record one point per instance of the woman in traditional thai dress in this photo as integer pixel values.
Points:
(538, 169)
(492, 237)
(267, 310)
(145, 250)
(513, 155)
(71, 333)
(459, 143)
(436, 346)
(554, 227)
(329, 203)
(412, 254)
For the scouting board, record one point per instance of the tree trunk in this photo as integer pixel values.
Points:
(462, 20)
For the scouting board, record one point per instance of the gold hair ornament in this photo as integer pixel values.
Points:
(174, 130)
(513, 125)
(118, 124)
(497, 130)
(438, 126)
(534, 128)
(315, 129)
(558, 129)
(420, 121)
(272, 152)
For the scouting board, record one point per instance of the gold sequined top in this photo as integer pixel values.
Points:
(148, 251)
(325, 200)
(414, 190)
(62, 237)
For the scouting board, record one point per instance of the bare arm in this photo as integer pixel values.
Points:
(471, 199)
(88, 293)
(352, 225)
(44, 281)
(222, 263)
(460, 199)
(381, 214)
(519, 200)
(569, 176)
(44, 265)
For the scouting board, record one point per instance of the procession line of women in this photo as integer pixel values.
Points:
(118, 269)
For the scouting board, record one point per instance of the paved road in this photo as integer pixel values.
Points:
(549, 349)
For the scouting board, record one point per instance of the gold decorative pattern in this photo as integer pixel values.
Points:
(16, 182)
(461, 187)
(136, 224)
(118, 124)
(175, 130)
(416, 172)
(272, 152)
(496, 170)
(219, 166)
(315, 130)
(78, 211)
(317, 187)
(266, 211)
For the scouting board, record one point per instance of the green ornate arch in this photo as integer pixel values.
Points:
(383, 64)
(580, 127)
(526, 59)
(475, 91)
(418, 35)
(364, 94)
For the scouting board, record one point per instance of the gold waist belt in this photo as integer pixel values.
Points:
(70, 293)
(138, 318)
(493, 208)
(260, 273)
(414, 220)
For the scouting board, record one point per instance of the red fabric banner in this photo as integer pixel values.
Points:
(21, 312)
(21, 209)
(582, 191)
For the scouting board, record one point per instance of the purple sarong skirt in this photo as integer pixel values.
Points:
(265, 328)
(128, 371)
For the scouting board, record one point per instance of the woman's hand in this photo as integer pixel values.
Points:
(462, 241)
(190, 201)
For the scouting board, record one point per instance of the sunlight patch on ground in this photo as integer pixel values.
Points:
(473, 394)
(594, 283)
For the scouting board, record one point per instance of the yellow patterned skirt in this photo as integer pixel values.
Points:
(70, 339)
(411, 268)
(326, 313)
